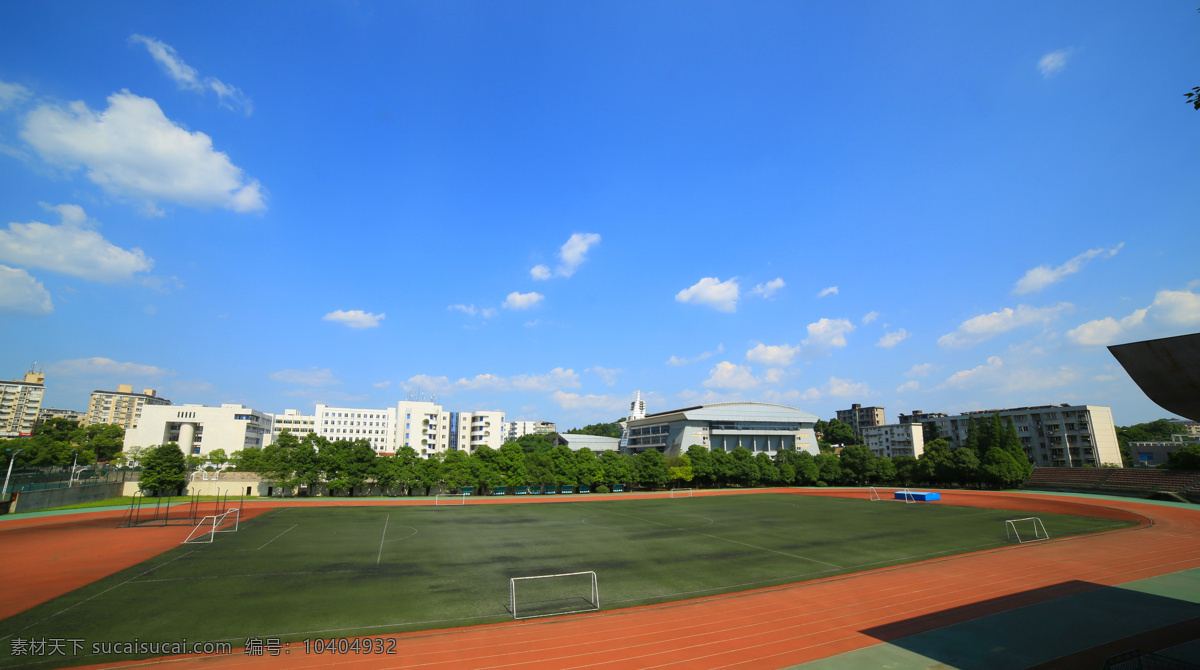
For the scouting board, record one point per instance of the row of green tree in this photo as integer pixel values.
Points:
(58, 441)
(1161, 430)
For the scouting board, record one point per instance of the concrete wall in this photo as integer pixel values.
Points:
(32, 501)
(234, 486)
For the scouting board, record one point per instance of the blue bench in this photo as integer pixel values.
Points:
(498, 491)
(618, 488)
(585, 489)
(522, 490)
(466, 490)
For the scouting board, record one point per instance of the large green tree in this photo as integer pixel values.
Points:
(1186, 458)
(164, 470)
(649, 470)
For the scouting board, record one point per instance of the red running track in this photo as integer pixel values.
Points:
(784, 626)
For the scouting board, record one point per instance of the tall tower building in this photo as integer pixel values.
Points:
(20, 401)
(637, 408)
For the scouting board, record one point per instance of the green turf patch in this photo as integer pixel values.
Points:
(302, 573)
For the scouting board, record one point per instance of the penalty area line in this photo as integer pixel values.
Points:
(380, 556)
(277, 536)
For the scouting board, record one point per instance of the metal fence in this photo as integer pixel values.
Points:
(42, 478)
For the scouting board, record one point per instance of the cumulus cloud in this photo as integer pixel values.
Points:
(72, 248)
(832, 290)
(1043, 275)
(677, 361)
(826, 335)
(571, 255)
(470, 310)
(426, 383)
(354, 318)
(727, 375)
(908, 386)
(996, 376)
(986, 326)
(596, 402)
(1105, 331)
(382, 385)
(12, 94)
(869, 317)
(517, 300)
(1177, 308)
(922, 370)
(1174, 309)
(609, 375)
(104, 367)
(1053, 62)
(483, 382)
(310, 377)
(132, 150)
(187, 78)
(778, 355)
(720, 295)
(838, 388)
(768, 289)
(890, 340)
(21, 293)
(557, 378)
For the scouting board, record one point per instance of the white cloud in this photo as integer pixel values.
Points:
(1177, 308)
(133, 150)
(382, 385)
(832, 290)
(1043, 275)
(677, 361)
(825, 335)
(890, 340)
(72, 248)
(522, 300)
(996, 376)
(1054, 61)
(986, 326)
(727, 375)
(908, 386)
(773, 355)
(838, 388)
(869, 317)
(426, 383)
(484, 382)
(720, 295)
(1105, 331)
(469, 310)
(20, 292)
(187, 78)
(355, 318)
(922, 370)
(589, 401)
(609, 375)
(310, 377)
(571, 255)
(768, 289)
(107, 367)
(558, 378)
(12, 94)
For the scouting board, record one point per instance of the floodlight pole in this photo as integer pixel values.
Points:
(71, 482)
(4, 493)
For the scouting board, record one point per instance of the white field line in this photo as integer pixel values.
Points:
(277, 536)
(380, 556)
(250, 574)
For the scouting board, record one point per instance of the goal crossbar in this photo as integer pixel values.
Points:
(450, 499)
(1039, 530)
(681, 493)
(211, 525)
(592, 601)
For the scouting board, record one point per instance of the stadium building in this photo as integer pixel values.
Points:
(759, 427)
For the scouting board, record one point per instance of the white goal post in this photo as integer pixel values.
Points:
(211, 528)
(450, 499)
(552, 595)
(874, 494)
(1033, 526)
(681, 493)
(907, 496)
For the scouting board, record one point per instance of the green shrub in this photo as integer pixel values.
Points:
(602, 489)
(822, 484)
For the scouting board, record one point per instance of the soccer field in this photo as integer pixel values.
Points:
(301, 573)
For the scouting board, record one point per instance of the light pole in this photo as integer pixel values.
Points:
(4, 492)
(72, 481)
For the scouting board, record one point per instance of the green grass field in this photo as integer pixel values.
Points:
(307, 572)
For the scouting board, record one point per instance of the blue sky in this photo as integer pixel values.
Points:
(543, 207)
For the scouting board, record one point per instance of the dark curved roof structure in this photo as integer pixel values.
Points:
(1167, 370)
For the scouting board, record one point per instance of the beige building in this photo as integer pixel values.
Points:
(294, 422)
(1052, 435)
(895, 439)
(517, 429)
(122, 407)
(47, 413)
(472, 430)
(20, 402)
(199, 429)
(859, 417)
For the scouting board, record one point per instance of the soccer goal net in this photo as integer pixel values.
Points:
(551, 595)
(681, 493)
(209, 526)
(875, 494)
(1031, 527)
(907, 496)
(450, 499)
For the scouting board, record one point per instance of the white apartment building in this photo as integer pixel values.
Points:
(122, 407)
(376, 426)
(1052, 435)
(859, 417)
(424, 426)
(199, 429)
(472, 430)
(895, 439)
(20, 402)
(292, 421)
(518, 429)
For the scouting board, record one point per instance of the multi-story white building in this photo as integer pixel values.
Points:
(1052, 435)
(199, 429)
(292, 421)
(424, 426)
(20, 401)
(376, 426)
(759, 427)
(122, 407)
(472, 430)
(895, 439)
(859, 417)
(518, 429)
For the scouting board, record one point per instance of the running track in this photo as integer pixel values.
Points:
(767, 628)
